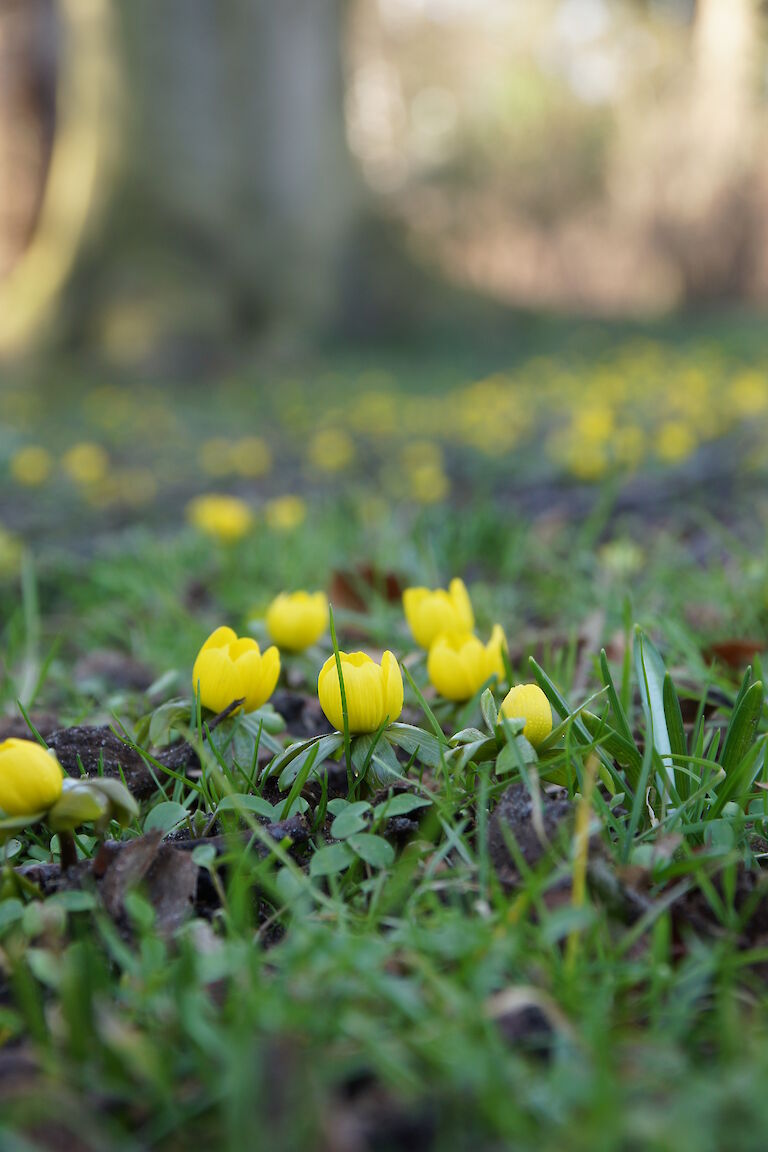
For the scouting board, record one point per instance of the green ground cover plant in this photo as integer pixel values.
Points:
(436, 923)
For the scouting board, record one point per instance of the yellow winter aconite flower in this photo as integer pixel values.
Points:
(31, 466)
(429, 613)
(374, 691)
(85, 463)
(331, 450)
(297, 619)
(285, 513)
(251, 456)
(749, 394)
(528, 702)
(226, 518)
(230, 668)
(459, 663)
(427, 483)
(675, 442)
(30, 778)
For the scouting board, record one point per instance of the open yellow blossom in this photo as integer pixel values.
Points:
(31, 466)
(528, 702)
(296, 620)
(430, 613)
(30, 778)
(285, 513)
(374, 692)
(230, 668)
(459, 663)
(226, 518)
(85, 463)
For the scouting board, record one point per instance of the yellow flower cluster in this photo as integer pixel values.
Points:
(232, 670)
(228, 518)
(441, 621)
(248, 456)
(641, 402)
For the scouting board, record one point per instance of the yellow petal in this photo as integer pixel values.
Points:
(447, 670)
(329, 693)
(365, 696)
(220, 638)
(219, 683)
(270, 672)
(392, 680)
(497, 645)
(462, 605)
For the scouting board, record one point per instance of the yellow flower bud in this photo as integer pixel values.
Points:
(528, 702)
(374, 691)
(229, 668)
(459, 663)
(226, 518)
(297, 619)
(430, 613)
(30, 778)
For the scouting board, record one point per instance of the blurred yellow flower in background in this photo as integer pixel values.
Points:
(749, 393)
(31, 466)
(528, 702)
(225, 518)
(675, 442)
(374, 692)
(85, 463)
(431, 612)
(215, 456)
(459, 663)
(285, 513)
(251, 456)
(295, 620)
(331, 450)
(231, 668)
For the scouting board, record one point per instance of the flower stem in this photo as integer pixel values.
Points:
(67, 850)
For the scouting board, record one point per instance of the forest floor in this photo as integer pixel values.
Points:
(435, 936)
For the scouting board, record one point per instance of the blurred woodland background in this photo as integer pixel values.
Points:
(208, 169)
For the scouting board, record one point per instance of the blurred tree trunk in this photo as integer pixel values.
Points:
(711, 220)
(228, 198)
(686, 173)
(27, 103)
